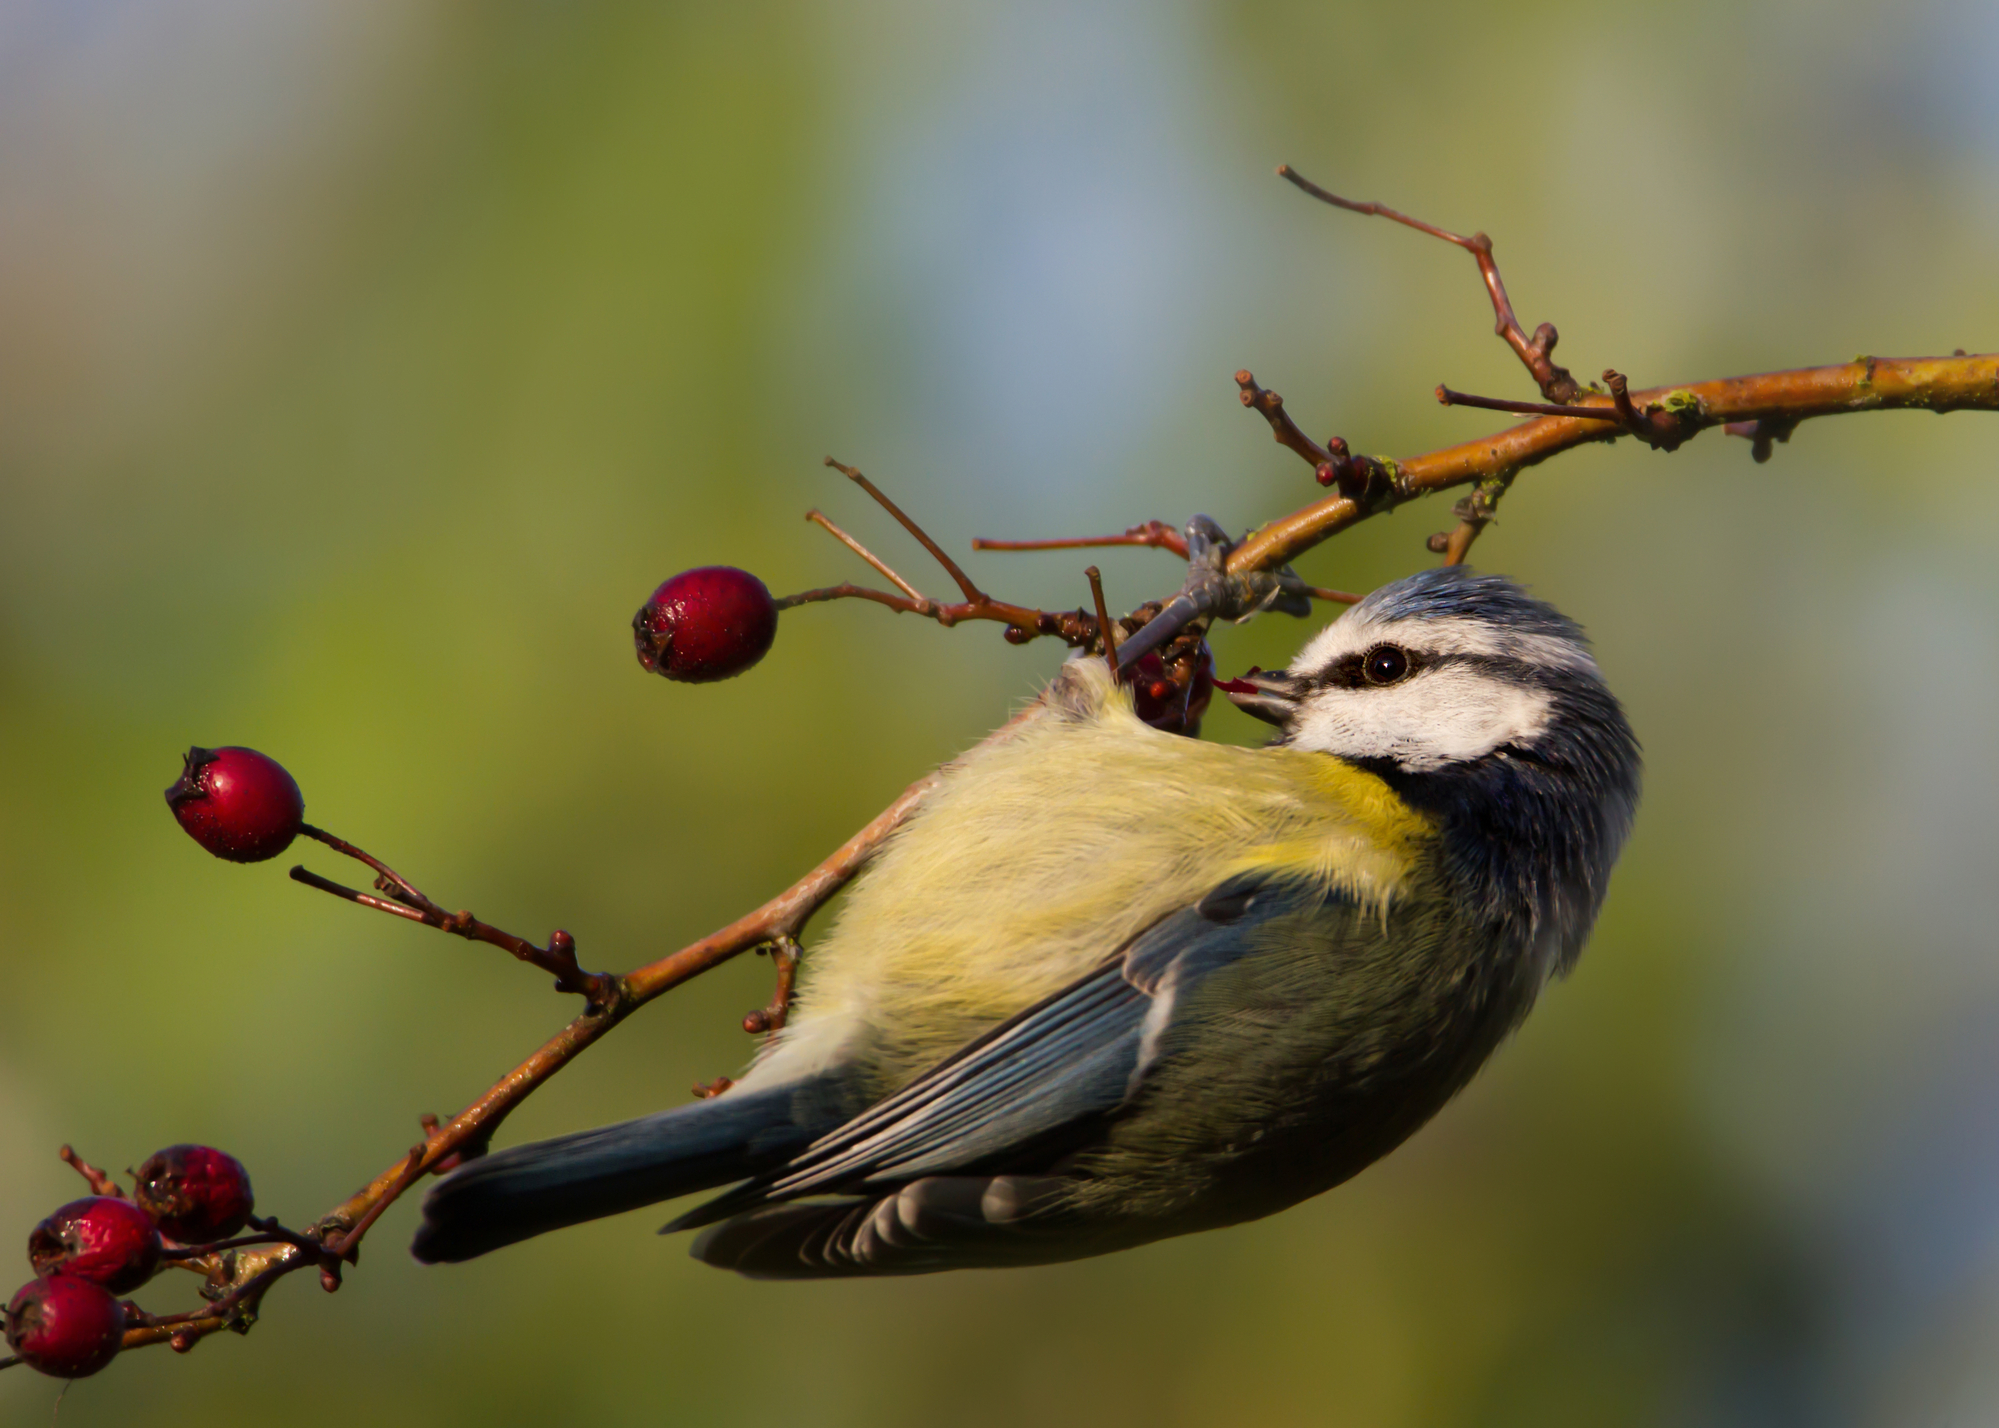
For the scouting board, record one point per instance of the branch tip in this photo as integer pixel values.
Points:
(785, 953)
(1283, 429)
(970, 591)
(819, 519)
(100, 1182)
(1555, 382)
(1154, 534)
(1105, 629)
(1762, 432)
(1449, 398)
(599, 989)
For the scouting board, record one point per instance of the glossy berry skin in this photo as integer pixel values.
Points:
(237, 803)
(110, 1242)
(195, 1194)
(706, 624)
(65, 1326)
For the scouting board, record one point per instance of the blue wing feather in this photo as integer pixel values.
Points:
(1079, 1054)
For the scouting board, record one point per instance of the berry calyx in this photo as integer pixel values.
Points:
(195, 1193)
(705, 624)
(110, 1242)
(237, 803)
(65, 1326)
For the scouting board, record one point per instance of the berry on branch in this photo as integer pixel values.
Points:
(108, 1241)
(237, 803)
(1173, 695)
(706, 624)
(195, 1194)
(65, 1326)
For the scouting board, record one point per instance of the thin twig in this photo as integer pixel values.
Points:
(387, 878)
(1337, 597)
(1620, 397)
(187, 1252)
(1103, 617)
(1154, 534)
(559, 957)
(236, 1308)
(1662, 425)
(1286, 432)
(1362, 478)
(784, 955)
(1534, 352)
(945, 615)
(1023, 623)
(818, 518)
(100, 1183)
(1072, 627)
(302, 874)
(348, 1247)
(1500, 404)
(971, 592)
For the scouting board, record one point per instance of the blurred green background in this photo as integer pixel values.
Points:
(363, 363)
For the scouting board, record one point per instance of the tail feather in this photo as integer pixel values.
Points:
(515, 1194)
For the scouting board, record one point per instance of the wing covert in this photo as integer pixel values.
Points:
(1078, 1054)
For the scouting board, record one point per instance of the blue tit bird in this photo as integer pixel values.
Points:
(1110, 984)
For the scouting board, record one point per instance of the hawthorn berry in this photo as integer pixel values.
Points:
(195, 1194)
(65, 1326)
(705, 624)
(100, 1238)
(237, 803)
(1162, 699)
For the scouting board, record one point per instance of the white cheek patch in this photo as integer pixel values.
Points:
(1449, 714)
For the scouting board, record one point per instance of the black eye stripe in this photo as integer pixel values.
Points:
(1349, 671)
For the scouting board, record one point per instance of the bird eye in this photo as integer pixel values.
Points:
(1384, 664)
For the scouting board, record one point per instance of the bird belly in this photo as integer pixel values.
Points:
(1039, 858)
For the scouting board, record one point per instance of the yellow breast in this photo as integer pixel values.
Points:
(1039, 856)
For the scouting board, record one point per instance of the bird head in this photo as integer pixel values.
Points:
(1483, 705)
(1446, 667)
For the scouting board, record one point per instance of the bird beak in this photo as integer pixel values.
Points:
(1269, 695)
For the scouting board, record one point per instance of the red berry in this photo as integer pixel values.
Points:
(237, 804)
(65, 1326)
(195, 1194)
(100, 1238)
(705, 624)
(1162, 701)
